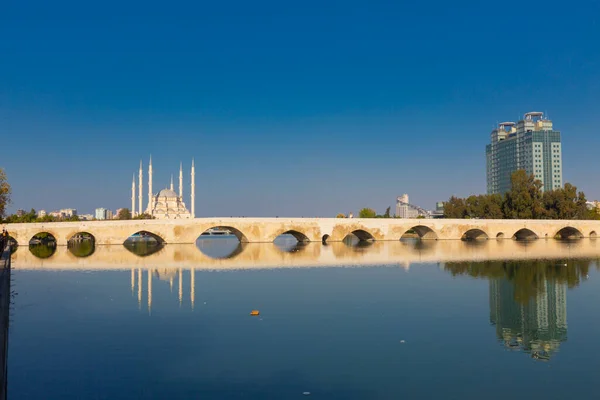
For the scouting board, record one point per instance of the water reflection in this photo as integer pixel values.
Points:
(163, 275)
(220, 246)
(41, 250)
(528, 300)
(143, 248)
(223, 252)
(82, 249)
(289, 244)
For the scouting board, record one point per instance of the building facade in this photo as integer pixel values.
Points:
(166, 204)
(530, 144)
(406, 210)
(103, 213)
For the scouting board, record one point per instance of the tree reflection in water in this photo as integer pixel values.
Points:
(528, 300)
(82, 249)
(42, 250)
(528, 276)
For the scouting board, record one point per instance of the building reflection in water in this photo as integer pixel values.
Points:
(164, 275)
(537, 327)
(528, 300)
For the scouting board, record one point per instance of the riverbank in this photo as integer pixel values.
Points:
(4, 317)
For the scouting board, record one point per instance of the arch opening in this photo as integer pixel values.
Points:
(475, 234)
(221, 242)
(525, 234)
(82, 244)
(593, 235)
(324, 239)
(358, 236)
(569, 233)
(291, 241)
(223, 231)
(12, 242)
(42, 245)
(500, 235)
(144, 243)
(420, 232)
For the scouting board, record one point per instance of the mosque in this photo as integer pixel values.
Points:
(166, 204)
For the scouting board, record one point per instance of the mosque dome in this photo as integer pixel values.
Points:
(167, 193)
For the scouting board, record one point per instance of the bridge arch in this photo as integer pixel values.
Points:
(361, 234)
(299, 236)
(500, 235)
(525, 234)
(593, 235)
(222, 230)
(325, 238)
(475, 234)
(144, 236)
(81, 237)
(422, 231)
(42, 245)
(82, 244)
(44, 237)
(568, 232)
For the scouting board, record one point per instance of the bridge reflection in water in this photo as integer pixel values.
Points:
(224, 254)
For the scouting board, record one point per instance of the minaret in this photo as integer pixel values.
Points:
(192, 286)
(181, 181)
(133, 196)
(193, 191)
(180, 286)
(141, 194)
(149, 291)
(139, 288)
(150, 187)
(172, 182)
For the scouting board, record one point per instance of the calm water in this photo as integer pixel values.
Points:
(411, 319)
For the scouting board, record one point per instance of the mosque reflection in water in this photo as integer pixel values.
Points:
(528, 300)
(143, 279)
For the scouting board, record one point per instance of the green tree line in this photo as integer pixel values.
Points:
(525, 200)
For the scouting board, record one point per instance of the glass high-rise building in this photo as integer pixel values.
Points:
(530, 144)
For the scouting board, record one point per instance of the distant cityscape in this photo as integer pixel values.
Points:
(530, 144)
(66, 213)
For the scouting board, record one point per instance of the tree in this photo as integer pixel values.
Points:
(367, 213)
(5, 193)
(124, 213)
(524, 199)
(144, 216)
(455, 208)
(340, 215)
(387, 213)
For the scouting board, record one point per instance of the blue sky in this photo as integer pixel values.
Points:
(289, 108)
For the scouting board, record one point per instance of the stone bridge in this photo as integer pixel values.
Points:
(308, 229)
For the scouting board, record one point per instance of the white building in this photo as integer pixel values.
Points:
(103, 213)
(41, 213)
(166, 204)
(406, 210)
(68, 212)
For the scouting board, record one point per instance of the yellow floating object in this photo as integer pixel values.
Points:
(254, 313)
